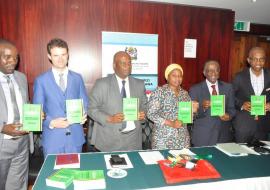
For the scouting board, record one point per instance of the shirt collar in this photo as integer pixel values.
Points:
(56, 72)
(253, 75)
(120, 79)
(209, 84)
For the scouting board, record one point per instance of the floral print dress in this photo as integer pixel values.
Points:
(163, 104)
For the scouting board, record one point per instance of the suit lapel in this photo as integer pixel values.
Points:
(131, 89)
(69, 84)
(248, 83)
(220, 88)
(2, 97)
(266, 80)
(205, 90)
(115, 91)
(21, 88)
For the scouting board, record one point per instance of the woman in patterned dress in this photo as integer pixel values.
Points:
(168, 132)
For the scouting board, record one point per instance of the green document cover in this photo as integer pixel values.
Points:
(89, 179)
(74, 110)
(217, 105)
(185, 112)
(258, 105)
(32, 120)
(86, 175)
(61, 178)
(130, 109)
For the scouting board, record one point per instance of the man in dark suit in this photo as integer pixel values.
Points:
(110, 132)
(208, 130)
(14, 143)
(252, 81)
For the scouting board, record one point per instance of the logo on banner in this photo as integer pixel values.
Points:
(132, 51)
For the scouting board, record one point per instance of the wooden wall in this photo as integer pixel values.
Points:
(32, 23)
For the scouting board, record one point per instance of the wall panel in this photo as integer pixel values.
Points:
(31, 24)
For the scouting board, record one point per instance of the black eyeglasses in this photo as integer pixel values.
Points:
(254, 59)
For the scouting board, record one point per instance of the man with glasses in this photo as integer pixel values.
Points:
(252, 81)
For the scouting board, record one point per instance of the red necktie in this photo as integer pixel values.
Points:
(214, 91)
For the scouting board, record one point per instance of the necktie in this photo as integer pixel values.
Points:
(214, 91)
(62, 82)
(124, 95)
(13, 100)
(123, 90)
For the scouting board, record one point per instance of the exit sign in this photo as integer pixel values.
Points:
(243, 26)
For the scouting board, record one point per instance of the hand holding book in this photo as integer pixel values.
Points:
(141, 115)
(225, 117)
(116, 118)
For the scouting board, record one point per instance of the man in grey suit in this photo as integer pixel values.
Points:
(208, 130)
(110, 131)
(14, 143)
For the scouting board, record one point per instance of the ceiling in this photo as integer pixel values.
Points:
(245, 10)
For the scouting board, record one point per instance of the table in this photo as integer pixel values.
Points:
(248, 172)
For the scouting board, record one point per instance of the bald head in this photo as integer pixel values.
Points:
(255, 50)
(256, 59)
(8, 56)
(122, 64)
(120, 54)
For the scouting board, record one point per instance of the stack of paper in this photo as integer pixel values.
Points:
(233, 149)
(151, 157)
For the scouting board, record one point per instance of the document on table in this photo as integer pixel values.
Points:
(109, 166)
(151, 157)
(186, 151)
(235, 150)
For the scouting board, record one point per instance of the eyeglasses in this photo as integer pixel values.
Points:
(254, 59)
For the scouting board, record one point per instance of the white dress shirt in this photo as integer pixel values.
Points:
(57, 77)
(130, 124)
(19, 99)
(257, 82)
(209, 85)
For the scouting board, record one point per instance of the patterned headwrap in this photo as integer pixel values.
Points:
(170, 68)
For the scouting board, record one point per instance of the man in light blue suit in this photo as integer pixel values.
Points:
(52, 89)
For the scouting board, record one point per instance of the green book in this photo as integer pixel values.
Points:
(217, 105)
(130, 109)
(32, 119)
(89, 179)
(185, 112)
(61, 178)
(258, 105)
(74, 109)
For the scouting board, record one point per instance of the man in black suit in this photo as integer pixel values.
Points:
(252, 81)
(208, 130)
